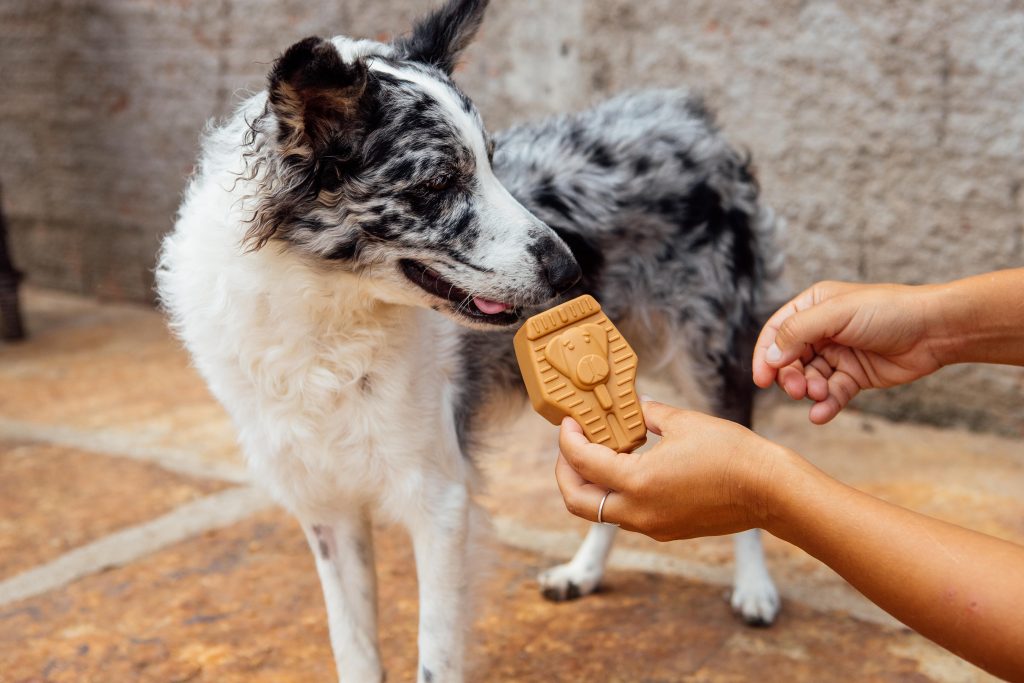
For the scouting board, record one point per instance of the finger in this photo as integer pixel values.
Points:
(566, 476)
(807, 356)
(816, 374)
(807, 328)
(791, 380)
(571, 425)
(769, 352)
(594, 462)
(849, 362)
(841, 390)
(763, 373)
(656, 414)
(766, 357)
(581, 497)
(615, 510)
(651, 427)
(821, 364)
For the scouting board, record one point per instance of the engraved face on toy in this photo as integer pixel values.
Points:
(581, 354)
(576, 364)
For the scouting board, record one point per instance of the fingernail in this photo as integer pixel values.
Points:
(773, 354)
(644, 398)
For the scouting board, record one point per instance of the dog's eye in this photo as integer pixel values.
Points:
(442, 181)
(569, 345)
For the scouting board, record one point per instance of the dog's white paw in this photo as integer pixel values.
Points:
(756, 599)
(569, 581)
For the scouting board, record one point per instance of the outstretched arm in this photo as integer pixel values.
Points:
(960, 588)
(707, 476)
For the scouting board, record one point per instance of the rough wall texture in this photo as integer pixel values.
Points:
(889, 134)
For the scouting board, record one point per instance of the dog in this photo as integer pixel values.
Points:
(355, 251)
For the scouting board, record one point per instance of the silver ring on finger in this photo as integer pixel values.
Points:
(600, 511)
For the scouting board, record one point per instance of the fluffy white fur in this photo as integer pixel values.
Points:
(285, 345)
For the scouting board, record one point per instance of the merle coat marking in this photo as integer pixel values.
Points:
(355, 251)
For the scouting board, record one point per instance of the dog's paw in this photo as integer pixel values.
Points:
(756, 600)
(568, 582)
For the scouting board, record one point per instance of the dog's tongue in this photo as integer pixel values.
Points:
(489, 307)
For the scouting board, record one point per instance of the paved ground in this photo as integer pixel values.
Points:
(132, 548)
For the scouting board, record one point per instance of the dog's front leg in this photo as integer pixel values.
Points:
(440, 536)
(344, 561)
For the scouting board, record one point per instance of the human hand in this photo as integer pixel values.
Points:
(836, 339)
(706, 477)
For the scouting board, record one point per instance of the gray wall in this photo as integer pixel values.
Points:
(889, 134)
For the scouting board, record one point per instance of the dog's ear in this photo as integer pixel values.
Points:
(322, 107)
(317, 100)
(441, 36)
(599, 335)
(554, 352)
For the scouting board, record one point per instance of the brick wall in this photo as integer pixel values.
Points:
(890, 134)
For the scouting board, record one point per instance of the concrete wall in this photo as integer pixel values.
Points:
(889, 134)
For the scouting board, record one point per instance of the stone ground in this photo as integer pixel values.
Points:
(133, 549)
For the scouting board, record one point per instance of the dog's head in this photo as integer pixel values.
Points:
(374, 161)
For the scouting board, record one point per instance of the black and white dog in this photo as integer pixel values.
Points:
(355, 252)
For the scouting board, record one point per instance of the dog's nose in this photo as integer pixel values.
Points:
(562, 271)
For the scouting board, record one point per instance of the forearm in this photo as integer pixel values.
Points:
(962, 589)
(979, 319)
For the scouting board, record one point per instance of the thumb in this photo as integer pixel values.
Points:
(595, 463)
(805, 328)
(656, 414)
(571, 426)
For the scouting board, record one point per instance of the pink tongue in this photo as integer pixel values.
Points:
(489, 307)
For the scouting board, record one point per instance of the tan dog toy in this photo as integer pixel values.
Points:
(575, 363)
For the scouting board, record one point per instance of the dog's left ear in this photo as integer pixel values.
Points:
(554, 353)
(441, 36)
(316, 98)
(321, 106)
